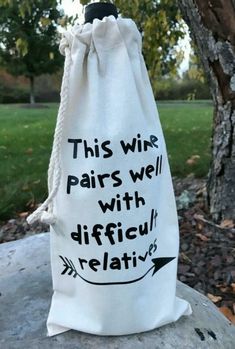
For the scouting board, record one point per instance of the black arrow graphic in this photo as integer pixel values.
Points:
(69, 267)
(158, 263)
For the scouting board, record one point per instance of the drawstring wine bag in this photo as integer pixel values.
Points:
(111, 207)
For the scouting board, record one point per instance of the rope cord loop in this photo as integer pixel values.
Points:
(54, 170)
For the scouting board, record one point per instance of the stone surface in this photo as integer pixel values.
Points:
(25, 294)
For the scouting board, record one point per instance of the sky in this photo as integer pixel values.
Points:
(72, 8)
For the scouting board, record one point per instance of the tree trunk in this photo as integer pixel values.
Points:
(212, 27)
(32, 96)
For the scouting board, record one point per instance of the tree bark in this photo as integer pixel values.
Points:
(212, 27)
(32, 95)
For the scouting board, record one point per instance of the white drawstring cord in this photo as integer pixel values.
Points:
(54, 170)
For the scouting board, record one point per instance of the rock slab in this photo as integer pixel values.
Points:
(25, 295)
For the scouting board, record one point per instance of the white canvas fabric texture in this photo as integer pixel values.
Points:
(114, 236)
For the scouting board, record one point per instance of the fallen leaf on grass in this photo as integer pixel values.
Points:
(23, 214)
(25, 187)
(227, 223)
(31, 203)
(202, 237)
(193, 160)
(37, 181)
(228, 313)
(214, 299)
(29, 151)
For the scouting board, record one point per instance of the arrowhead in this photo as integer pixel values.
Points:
(160, 262)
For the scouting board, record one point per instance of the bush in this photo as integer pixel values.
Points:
(47, 87)
(20, 94)
(169, 89)
(48, 97)
(13, 94)
(16, 89)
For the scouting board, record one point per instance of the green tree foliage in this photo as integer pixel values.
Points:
(161, 26)
(29, 38)
(195, 70)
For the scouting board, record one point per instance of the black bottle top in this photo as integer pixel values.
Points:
(99, 10)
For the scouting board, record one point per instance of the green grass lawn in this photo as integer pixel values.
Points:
(187, 128)
(26, 140)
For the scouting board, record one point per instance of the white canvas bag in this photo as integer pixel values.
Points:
(111, 206)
